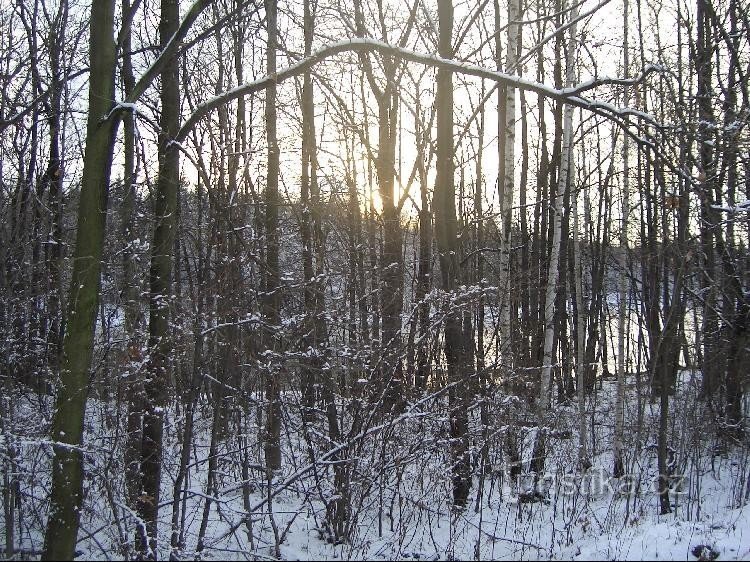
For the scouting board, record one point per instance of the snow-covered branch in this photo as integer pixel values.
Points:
(740, 207)
(596, 82)
(122, 106)
(366, 44)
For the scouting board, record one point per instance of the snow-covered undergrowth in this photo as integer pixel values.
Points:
(396, 481)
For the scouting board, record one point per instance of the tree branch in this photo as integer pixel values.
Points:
(364, 44)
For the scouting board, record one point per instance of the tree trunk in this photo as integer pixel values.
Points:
(311, 364)
(160, 362)
(131, 290)
(553, 272)
(581, 315)
(712, 356)
(622, 312)
(444, 204)
(424, 267)
(272, 300)
(70, 404)
(53, 177)
(506, 170)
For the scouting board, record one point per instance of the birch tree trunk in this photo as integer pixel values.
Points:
(553, 272)
(506, 171)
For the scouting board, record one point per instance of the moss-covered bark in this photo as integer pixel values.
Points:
(70, 404)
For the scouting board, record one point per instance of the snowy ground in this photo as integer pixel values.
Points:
(401, 490)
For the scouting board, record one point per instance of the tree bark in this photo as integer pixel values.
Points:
(272, 300)
(712, 356)
(622, 311)
(425, 265)
(444, 204)
(506, 170)
(70, 404)
(160, 362)
(553, 271)
(131, 289)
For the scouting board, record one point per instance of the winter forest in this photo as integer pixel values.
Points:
(375, 279)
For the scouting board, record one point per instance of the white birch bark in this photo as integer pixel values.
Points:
(506, 183)
(553, 273)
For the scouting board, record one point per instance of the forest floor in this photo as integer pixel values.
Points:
(400, 492)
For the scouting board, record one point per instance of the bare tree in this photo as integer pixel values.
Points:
(553, 271)
(444, 207)
(271, 286)
(70, 405)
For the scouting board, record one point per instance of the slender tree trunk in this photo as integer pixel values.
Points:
(740, 317)
(664, 504)
(177, 537)
(712, 359)
(160, 280)
(311, 365)
(622, 311)
(540, 227)
(424, 271)
(506, 171)
(478, 246)
(70, 404)
(525, 271)
(668, 350)
(483, 378)
(582, 314)
(53, 177)
(553, 272)
(131, 289)
(444, 204)
(392, 262)
(272, 300)
(213, 459)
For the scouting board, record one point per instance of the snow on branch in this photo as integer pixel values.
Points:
(123, 106)
(613, 110)
(596, 82)
(744, 206)
(128, 105)
(366, 44)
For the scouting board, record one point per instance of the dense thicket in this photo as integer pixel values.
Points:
(267, 238)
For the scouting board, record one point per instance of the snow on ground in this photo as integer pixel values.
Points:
(401, 490)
